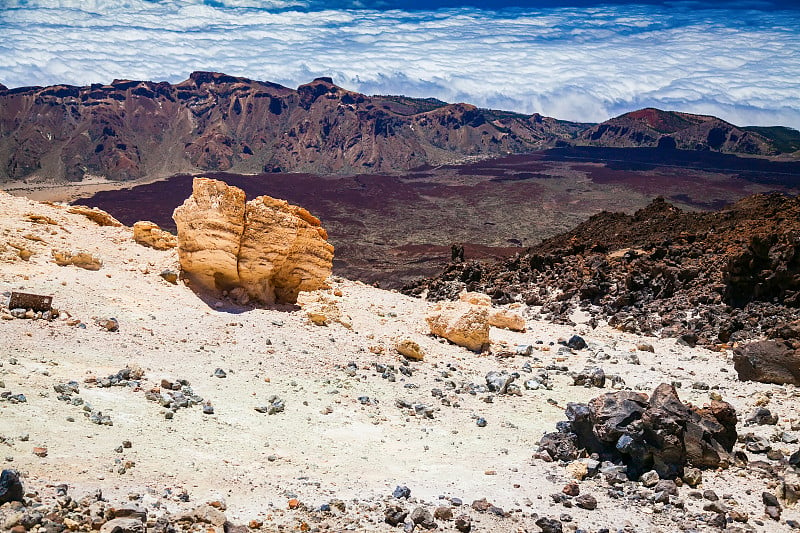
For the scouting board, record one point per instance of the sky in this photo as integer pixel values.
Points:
(577, 60)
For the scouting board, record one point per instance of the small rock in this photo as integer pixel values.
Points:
(549, 525)
(571, 489)
(395, 515)
(586, 501)
(463, 523)
(219, 373)
(208, 409)
(443, 512)
(762, 417)
(401, 491)
(423, 518)
(576, 342)
(481, 422)
(692, 476)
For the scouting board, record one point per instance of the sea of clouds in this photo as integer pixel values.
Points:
(585, 64)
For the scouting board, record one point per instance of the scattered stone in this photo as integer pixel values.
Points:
(463, 523)
(40, 451)
(395, 515)
(219, 373)
(108, 324)
(423, 518)
(170, 276)
(480, 422)
(692, 476)
(443, 512)
(615, 424)
(82, 260)
(401, 491)
(549, 525)
(762, 417)
(586, 501)
(590, 377)
(576, 342)
(123, 525)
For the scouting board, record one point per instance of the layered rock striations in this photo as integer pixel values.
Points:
(265, 249)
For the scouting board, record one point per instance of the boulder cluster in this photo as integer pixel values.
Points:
(658, 433)
(710, 279)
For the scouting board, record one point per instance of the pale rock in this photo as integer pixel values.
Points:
(461, 323)
(81, 259)
(475, 298)
(268, 247)
(506, 319)
(410, 349)
(123, 525)
(100, 217)
(149, 234)
(204, 514)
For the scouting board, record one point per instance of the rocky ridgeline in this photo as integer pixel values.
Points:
(706, 278)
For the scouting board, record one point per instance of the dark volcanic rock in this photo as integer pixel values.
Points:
(660, 433)
(773, 360)
(737, 270)
(10, 487)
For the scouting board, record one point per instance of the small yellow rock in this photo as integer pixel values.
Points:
(410, 349)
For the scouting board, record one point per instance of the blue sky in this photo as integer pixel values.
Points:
(578, 60)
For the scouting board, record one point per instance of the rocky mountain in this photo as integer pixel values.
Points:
(710, 278)
(670, 129)
(130, 129)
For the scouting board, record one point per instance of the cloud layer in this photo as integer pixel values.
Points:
(585, 63)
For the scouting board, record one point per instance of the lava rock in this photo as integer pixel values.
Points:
(11, 489)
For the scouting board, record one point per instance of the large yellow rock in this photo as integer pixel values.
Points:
(271, 249)
(461, 323)
(149, 234)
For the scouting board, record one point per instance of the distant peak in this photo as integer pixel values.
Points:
(200, 77)
(323, 79)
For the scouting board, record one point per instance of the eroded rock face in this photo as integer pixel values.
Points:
(267, 247)
(659, 433)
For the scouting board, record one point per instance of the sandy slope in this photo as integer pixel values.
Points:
(255, 461)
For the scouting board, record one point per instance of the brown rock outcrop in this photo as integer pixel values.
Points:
(660, 433)
(269, 248)
(773, 360)
(461, 323)
(149, 234)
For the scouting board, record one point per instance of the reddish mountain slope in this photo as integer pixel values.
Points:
(130, 129)
(670, 129)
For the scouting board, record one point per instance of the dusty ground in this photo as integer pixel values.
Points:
(327, 444)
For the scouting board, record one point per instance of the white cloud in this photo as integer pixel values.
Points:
(579, 64)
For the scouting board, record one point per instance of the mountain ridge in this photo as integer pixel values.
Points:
(129, 129)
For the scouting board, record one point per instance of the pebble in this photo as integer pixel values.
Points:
(480, 422)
